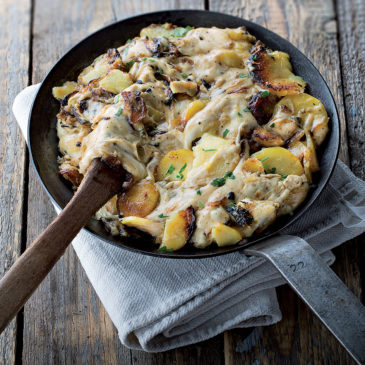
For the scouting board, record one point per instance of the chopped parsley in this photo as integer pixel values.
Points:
(219, 181)
(265, 159)
(149, 199)
(239, 114)
(143, 58)
(264, 94)
(226, 131)
(162, 216)
(198, 192)
(231, 204)
(210, 150)
(242, 76)
(201, 205)
(129, 41)
(180, 175)
(119, 112)
(283, 177)
(272, 125)
(151, 60)
(184, 75)
(165, 249)
(116, 99)
(180, 31)
(273, 170)
(130, 64)
(170, 170)
(254, 57)
(246, 110)
(229, 175)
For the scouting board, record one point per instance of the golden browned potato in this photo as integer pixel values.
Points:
(194, 107)
(273, 71)
(59, 92)
(265, 138)
(116, 81)
(175, 165)
(224, 235)
(155, 229)
(178, 229)
(309, 113)
(140, 200)
(278, 160)
(184, 87)
(253, 165)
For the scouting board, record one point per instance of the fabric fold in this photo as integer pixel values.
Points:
(158, 304)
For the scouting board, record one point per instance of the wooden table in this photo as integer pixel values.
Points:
(64, 321)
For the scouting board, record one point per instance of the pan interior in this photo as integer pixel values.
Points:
(43, 141)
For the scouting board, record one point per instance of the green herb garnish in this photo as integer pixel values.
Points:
(239, 114)
(162, 216)
(180, 175)
(149, 199)
(180, 31)
(231, 204)
(242, 76)
(219, 181)
(272, 125)
(164, 249)
(119, 112)
(254, 57)
(184, 75)
(229, 175)
(151, 60)
(201, 205)
(116, 99)
(283, 177)
(130, 64)
(264, 94)
(265, 159)
(170, 170)
(226, 131)
(246, 110)
(129, 41)
(198, 192)
(273, 170)
(210, 150)
(143, 58)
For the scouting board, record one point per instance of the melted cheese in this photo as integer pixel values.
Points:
(145, 120)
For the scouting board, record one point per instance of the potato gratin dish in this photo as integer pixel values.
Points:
(215, 130)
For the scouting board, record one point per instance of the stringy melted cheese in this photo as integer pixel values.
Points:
(206, 64)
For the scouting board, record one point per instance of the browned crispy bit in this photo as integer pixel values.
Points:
(161, 47)
(262, 107)
(217, 203)
(189, 217)
(266, 138)
(135, 105)
(114, 58)
(72, 175)
(263, 71)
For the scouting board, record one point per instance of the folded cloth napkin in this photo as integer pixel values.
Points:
(159, 304)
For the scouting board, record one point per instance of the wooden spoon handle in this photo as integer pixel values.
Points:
(99, 184)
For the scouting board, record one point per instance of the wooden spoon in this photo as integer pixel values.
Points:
(101, 182)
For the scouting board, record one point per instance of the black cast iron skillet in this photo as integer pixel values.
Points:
(295, 259)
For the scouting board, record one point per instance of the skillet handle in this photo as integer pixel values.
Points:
(320, 288)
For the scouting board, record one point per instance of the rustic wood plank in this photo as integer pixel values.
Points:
(15, 20)
(299, 337)
(64, 320)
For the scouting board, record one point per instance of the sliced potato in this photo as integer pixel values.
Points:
(265, 138)
(155, 229)
(253, 165)
(224, 235)
(184, 87)
(236, 34)
(280, 161)
(230, 58)
(59, 92)
(308, 110)
(175, 165)
(93, 72)
(178, 229)
(194, 107)
(116, 81)
(111, 205)
(164, 30)
(273, 71)
(140, 200)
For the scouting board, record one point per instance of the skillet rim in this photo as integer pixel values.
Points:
(204, 253)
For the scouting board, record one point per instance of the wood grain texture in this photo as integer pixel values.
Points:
(14, 64)
(299, 337)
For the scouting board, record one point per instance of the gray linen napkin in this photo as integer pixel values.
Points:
(159, 304)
